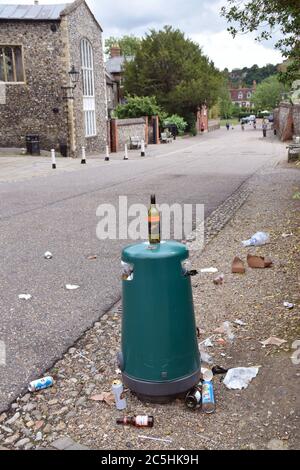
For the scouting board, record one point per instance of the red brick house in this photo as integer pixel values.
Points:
(242, 97)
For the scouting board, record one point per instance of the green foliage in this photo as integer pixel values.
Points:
(129, 45)
(265, 16)
(138, 106)
(178, 121)
(268, 93)
(173, 68)
(246, 76)
(191, 123)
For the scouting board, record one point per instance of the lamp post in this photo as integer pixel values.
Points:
(68, 96)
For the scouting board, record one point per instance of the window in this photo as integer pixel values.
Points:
(241, 96)
(88, 79)
(11, 64)
(249, 94)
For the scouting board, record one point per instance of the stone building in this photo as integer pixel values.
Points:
(39, 46)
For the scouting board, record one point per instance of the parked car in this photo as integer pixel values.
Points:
(248, 119)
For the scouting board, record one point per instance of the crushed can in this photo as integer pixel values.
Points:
(118, 391)
(41, 384)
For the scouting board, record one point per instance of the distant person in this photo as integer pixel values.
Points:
(242, 125)
(227, 126)
(264, 128)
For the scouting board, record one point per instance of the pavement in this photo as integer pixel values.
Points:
(75, 415)
(44, 210)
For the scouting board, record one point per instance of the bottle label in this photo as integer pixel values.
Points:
(142, 421)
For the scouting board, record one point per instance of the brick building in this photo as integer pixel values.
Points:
(242, 97)
(115, 67)
(39, 46)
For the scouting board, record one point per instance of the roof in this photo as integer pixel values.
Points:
(116, 64)
(32, 12)
(235, 92)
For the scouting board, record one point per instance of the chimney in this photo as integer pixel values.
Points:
(115, 51)
(36, 2)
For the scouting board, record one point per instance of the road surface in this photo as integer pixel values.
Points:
(57, 212)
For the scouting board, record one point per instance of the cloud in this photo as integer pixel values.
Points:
(242, 51)
(199, 19)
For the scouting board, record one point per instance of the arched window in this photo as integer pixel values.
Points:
(241, 96)
(89, 102)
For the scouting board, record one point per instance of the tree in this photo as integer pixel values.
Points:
(268, 93)
(138, 106)
(173, 68)
(251, 15)
(129, 45)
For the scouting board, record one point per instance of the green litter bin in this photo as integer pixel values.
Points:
(160, 357)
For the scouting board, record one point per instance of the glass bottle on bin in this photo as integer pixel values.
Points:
(154, 222)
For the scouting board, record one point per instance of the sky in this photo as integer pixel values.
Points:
(199, 19)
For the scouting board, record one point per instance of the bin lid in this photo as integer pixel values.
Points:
(167, 249)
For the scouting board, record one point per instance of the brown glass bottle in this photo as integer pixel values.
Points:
(137, 421)
(154, 222)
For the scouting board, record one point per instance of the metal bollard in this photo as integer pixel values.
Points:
(83, 159)
(126, 153)
(143, 153)
(53, 158)
(107, 154)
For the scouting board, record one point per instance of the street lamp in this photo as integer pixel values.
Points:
(74, 75)
(74, 78)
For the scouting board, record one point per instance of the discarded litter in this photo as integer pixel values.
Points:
(25, 297)
(206, 358)
(286, 235)
(259, 262)
(208, 398)
(258, 239)
(137, 421)
(118, 391)
(240, 378)
(48, 255)
(41, 384)
(240, 323)
(105, 397)
(93, 257)
(156, 439)
(273, 341)
(71, 287)
(193, 399)
(207, 374)
(208, 343)
(288, 305)
(209, 271)
(127, 271)
(228, 331)
(217, 370)
(238, 266)
(218, 281)
(187, 269)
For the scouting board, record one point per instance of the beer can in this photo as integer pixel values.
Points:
(208, 398)
(41, 384)
(118, 391)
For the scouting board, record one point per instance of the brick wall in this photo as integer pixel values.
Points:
(126, 128)
(284, 121)
(296, 119)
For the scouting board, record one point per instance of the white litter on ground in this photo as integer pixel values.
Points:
(240, 378)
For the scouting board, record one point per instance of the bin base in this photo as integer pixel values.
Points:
(161, 392)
